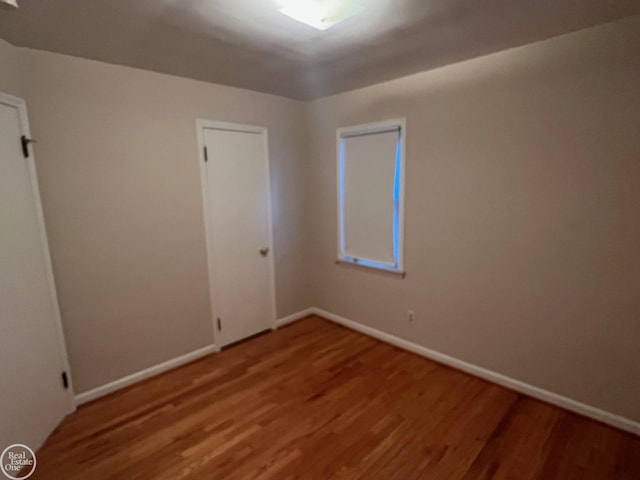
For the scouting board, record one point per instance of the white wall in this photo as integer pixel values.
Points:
(13, 70)
(118, 165)
(522, 214)
(522, 209)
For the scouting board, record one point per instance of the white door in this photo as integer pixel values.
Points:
(32, 354)
(237, 205)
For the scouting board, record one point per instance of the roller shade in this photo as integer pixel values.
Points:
(369, 196)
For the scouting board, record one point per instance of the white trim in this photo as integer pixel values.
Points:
(208, 229)
(389, 125)
(295, 317)
(491, 376)
(395, 124)
(228, 126)
(144, 374)
(21, 106)
(171, 364)
(201, 125)
(546, 396)
(272, 265)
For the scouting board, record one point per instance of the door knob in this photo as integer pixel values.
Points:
(264, 251)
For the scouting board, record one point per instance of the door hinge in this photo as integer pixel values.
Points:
(24, 141)
(219, 324)
(65, 380)
(206, 155)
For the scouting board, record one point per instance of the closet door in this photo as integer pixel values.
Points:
(33, 364)
(240, 246)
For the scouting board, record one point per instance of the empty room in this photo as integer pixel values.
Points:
(320, 239)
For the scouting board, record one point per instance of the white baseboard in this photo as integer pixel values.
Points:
(508, 382)
(295, 317)
(168, 365)
(491, 376)
(144, 374)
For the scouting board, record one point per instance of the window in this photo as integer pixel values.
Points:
(371, 195)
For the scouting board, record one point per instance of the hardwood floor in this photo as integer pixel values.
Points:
(317, 401)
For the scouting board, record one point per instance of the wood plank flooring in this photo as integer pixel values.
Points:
(317, 401)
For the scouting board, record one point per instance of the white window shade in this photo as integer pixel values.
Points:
(370, 178)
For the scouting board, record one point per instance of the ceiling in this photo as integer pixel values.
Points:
(249, 44)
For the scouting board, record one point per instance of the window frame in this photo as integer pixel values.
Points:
(397, 124)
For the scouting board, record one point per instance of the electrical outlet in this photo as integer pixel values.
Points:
(411, 315)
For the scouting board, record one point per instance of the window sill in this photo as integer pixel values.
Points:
(388, 271)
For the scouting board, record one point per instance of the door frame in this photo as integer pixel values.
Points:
(21, 105)
(201, 126)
